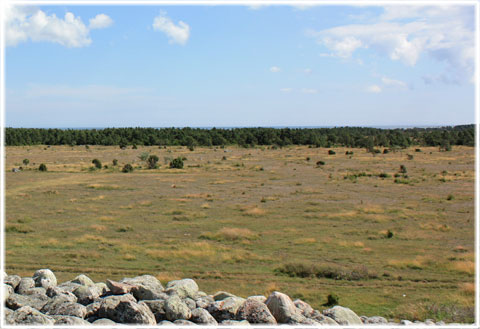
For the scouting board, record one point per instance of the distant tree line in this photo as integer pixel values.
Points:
(356, 137)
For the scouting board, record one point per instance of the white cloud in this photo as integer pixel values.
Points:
(309, 91)
(374, 89)
(100, 21)
(275, 69)
(286, 90)
(405, 33)
(176, 33)
(393, 83)
(23, 23)
(307, 70)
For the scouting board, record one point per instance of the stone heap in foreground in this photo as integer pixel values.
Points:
(143, 300)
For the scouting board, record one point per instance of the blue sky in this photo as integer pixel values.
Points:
(163, 66)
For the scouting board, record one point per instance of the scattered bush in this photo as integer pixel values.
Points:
(303, 270)
(42, 167)
(409, 156)
(97, 163)
(152, 162)
(450, 197)
(383, 175)
(224, 158)
(26, 162)
(143, 156)
(331, 152)
(115, 162)
(191, 148)
(307, 158)
(386, 151)
(87, 147)
(127, 168)
(332, 300)
(389, 234)
(177, 163)
(134, 147)
(320, 163)
(349, 153)
(418, 150)
(377, 151)
(403, 169)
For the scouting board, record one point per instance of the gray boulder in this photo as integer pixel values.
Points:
(255, 312)
(221, 295)
(53, 292)
(7, 291)
(260, 298)
(83, 280)
(69, 320)
(145, 287)
(67, 286)
(157, 308)
(183, 323)
(183, 288)
(235, 323)
(176, 309)
(36, 291)
(283, 309)
(204, 301)
(102, 288)
(12, 280)
(119, 288)
(322, 319)
(166, 323)
(92, 309)
(225, 309)
(44, 278)
(27, 315)
(201, 316)
(16, 301)
(343, 315)
(54, 303)
(190, 303)
(124, 309)
(104, 322)
(375, 320)
(68, 308)
(406, 322)
(304, 307)
(24, 285)
(86, 294)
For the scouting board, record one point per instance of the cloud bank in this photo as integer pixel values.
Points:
(24, 23)
(179, 33)
(406, 33)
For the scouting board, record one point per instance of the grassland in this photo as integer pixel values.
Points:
(243, 220)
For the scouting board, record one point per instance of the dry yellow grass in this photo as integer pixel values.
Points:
(255, 212)
(467, 267)
(98, 228)
(356, 244)
(106, 218)
(467, 288)
(305, 241)
(129, 257)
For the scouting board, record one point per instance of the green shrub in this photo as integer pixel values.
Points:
(152, 162)
(418, 150)
(403, 169)
(134, 147)
(386, 151)
(307, 158)
(389, 234)
(115, 162)
(97, 163)
(450, 197)
(376, 151)
(320, 163)
(332, 300)
(303, 270)
(42, 167)
(383, 175)
(349, 153)
(127, 168)
(143, 156)
(177, 163)
(331, 152)
(26, 162)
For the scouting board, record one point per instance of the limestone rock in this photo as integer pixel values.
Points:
(225, 309)
(375, 320)
(102, 288)
(343, 315)
(282, 308)
(145, 287)
(44, 278)
(86, 294)
(7, 291)
(69, 320)
(124, 309)
(255, 312)
(201, 316)
(12, 280)
(104, 322)
(183, 288)
(221, 295)
(24, 285)
(157, 308)
(83, 280)
(204, 301)
(118, 288)
(16, 301)
(176, 309)
(27, 315)
(235, 323)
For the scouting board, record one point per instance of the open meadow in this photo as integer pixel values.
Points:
(254, 220)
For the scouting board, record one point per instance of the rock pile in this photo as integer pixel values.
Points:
(143, 300)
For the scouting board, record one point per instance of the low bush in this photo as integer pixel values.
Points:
(331, 152)
(332, 300)
(320, 163)
(177, 163)
(127, 168)
(115, 162)
(97, 163)
(42, 167)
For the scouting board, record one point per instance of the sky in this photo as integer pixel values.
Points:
(223, 66)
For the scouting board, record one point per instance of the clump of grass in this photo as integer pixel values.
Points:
(230, 234)
(450, 197)
(332, 300)
(467, 267)
(304, 270)
(17, 228)
(384, 175)
(124, 229)
(129, 257)
(255, 212)
(448, 312)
